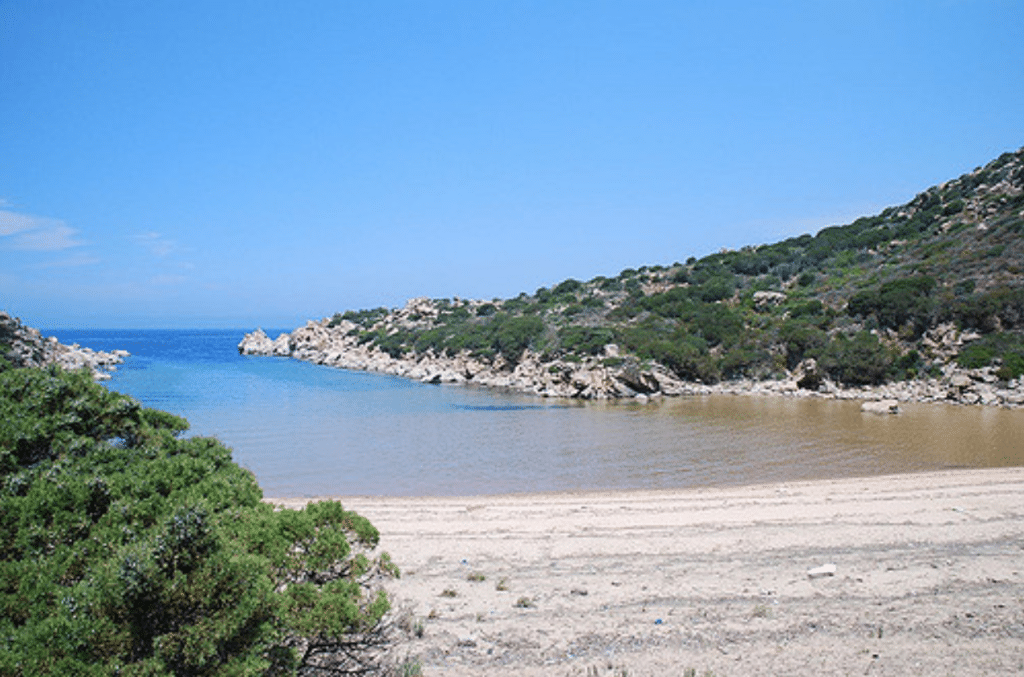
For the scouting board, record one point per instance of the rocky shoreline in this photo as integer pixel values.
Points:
(334, 343)
(26, 347)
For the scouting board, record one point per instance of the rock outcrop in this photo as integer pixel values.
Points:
(338, 345)
(24, 346)
(611, 375)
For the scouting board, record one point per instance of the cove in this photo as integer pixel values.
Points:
(306, 430)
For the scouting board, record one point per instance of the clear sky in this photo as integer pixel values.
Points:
(239, 164)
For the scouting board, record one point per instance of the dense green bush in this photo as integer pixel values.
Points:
(501, 333)
(975, 356)
(674, 303)
(683, 353)
(801, 340)
(717, 324)
(568, 287)
(364, 318)
(861, 360)
(1012, 367)
(990, 311)
(1007, 348)
(717, 288)
(127, 550)
(585, 340)
(908, 365)
(812, 312)
(743, 361)
(513, 335)
(897, 303)
(806, 278)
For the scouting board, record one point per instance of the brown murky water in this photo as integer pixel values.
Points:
(767, 438)
(460, 441)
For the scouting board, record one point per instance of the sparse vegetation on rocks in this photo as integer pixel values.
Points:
(924, 301)
(22, 346)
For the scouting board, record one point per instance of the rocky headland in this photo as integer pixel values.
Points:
(24, 346)
(922, 302)
(613, 375)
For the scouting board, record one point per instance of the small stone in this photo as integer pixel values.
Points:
(823, 570)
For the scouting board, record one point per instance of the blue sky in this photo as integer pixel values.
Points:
(235, 164)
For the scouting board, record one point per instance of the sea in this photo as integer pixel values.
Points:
(307, 430)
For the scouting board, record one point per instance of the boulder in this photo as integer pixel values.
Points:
(961, 381)
(256, 343)
(765, 299)
(881, 407)
(636, 380)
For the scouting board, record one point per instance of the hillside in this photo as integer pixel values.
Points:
(927, 297)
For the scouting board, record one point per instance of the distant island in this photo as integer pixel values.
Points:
(922, 302)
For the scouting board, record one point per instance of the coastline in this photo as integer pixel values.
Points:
(337, 345)
(26, 347)
(928, 575)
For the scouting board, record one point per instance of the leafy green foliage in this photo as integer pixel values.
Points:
(585, 340)
(125, 549)
(1012, 367)
(861, 360)
(1005, 348)
(364, 318)
(998, 308)
(897, 303)
(975, 356)
(801, 339)
(683, 353)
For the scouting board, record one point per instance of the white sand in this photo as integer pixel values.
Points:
(929, 578)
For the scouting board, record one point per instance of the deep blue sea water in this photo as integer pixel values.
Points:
(307, 430)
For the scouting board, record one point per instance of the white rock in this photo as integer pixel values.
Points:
(768, 298)
(823, 570)
(881, 407)
(961, 381)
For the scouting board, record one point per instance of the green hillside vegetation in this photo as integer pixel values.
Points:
(125, 549)
(859, 299)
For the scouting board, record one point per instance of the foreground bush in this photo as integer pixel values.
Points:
(127, 550)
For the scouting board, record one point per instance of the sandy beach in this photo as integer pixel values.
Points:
(928, 578)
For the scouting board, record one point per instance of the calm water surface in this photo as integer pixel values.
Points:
(306, 430)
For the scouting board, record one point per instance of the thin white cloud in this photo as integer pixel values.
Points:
(157, 244)
(49, 238)
(71, 262)
(12, 222)
(36, 233)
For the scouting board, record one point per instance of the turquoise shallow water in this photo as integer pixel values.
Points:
(306, 430)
